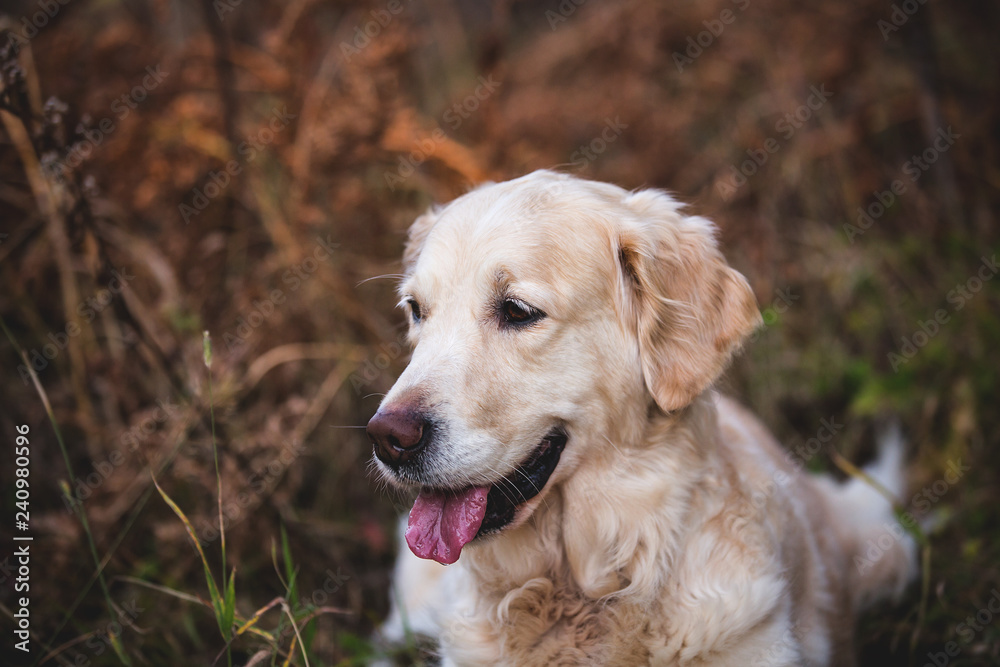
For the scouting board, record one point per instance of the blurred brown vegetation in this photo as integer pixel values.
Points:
(368, 134)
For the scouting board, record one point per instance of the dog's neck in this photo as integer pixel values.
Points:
(616, 521)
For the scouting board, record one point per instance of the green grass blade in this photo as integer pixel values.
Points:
(225, 615)
(213, 590)
(230, 609)
(77, 507)
(291, 571)
(206, 342)
(116, 644)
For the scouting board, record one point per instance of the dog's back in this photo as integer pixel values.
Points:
(836, 523)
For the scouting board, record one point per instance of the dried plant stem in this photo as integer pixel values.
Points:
(48, 195)
(77, 507)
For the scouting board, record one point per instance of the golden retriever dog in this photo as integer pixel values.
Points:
(585, 496)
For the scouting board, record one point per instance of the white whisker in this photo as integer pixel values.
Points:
(384, 275)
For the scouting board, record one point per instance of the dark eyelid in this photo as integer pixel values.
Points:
(534, 314)
(521, 304)
(416, 312)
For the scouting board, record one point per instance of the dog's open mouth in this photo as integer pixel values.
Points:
(443, 521)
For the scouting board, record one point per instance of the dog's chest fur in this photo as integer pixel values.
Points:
(517, 598)
(547, 621)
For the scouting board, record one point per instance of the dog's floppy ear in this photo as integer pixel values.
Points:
(419, 230)
(692, 311)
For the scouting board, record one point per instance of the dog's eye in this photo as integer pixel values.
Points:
(414, 309)
(519, 313)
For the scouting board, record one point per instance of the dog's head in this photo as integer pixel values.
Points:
(548, 315)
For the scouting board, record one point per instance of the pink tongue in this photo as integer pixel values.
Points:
(441, 524)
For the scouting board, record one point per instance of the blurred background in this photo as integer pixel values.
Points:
(250, 167)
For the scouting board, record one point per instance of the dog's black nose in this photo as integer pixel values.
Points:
(398, 435)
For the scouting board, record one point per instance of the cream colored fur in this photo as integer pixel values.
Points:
(673, 531)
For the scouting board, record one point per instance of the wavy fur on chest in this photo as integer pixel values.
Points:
(655, 557)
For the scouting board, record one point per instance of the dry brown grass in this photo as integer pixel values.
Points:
(292, 390)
